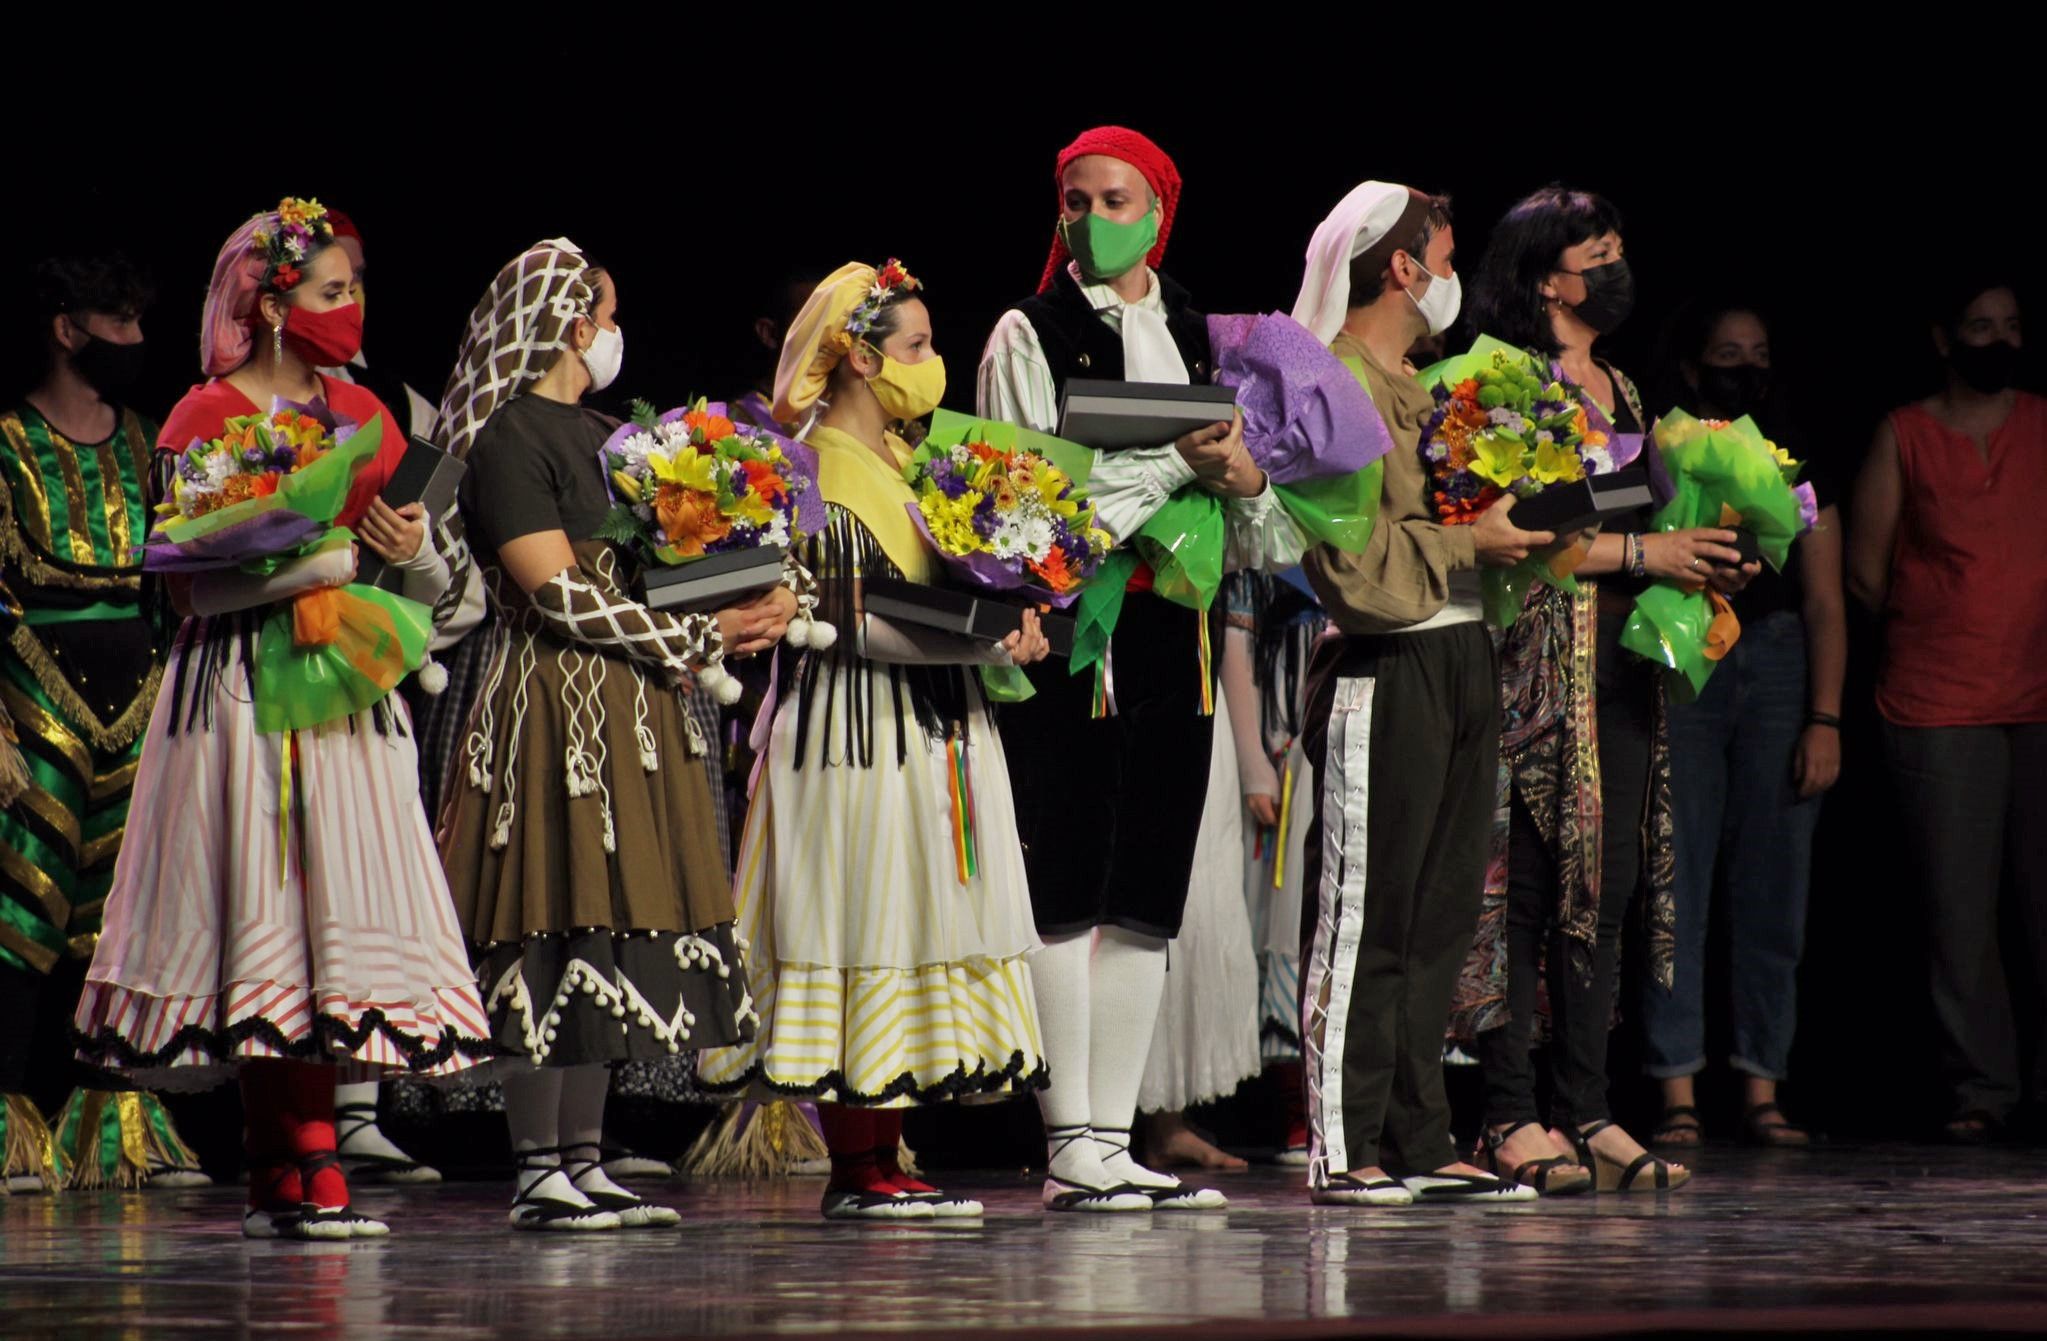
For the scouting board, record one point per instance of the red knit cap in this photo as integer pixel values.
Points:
(343, 226)
(1139, 152)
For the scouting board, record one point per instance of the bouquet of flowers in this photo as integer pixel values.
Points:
(692, 482)
(1507, 423)
(267, 492)
(1003, 517)
(1727, 475)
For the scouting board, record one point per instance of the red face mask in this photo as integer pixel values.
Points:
(325, 339)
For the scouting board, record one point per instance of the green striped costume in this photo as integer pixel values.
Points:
(79, 669)
(78, 673)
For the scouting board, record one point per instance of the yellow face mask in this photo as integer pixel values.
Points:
(908, 390)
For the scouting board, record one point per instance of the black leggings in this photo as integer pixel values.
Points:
(1581, 1012)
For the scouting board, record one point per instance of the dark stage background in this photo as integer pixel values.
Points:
(1833, 205)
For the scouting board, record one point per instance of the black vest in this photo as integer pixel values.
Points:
(1078, 343)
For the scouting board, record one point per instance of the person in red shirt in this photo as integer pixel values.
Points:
(278, 911)
(1946, 547)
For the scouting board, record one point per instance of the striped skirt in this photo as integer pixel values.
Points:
(881, 976)
(277, 896)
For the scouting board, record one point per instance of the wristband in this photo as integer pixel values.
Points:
(1823, 719)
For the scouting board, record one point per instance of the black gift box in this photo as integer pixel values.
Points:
(977, 615)
(1112, 416)
(714, 581)
(1563, 508)
(425, 475)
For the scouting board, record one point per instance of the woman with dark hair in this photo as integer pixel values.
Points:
(284, 950)
(580, 838)
(1583, 739)
(887, 975)
(1947, 549)
(1756, 752)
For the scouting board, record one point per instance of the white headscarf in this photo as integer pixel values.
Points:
(1360, 220)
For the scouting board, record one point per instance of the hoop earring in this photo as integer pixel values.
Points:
(277, 343)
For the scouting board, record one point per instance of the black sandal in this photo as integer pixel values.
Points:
(1613, 1176)
(1683, 1119)
(350, 1119)
(1060, 1194)
(1778, 1135)
(315, 1222)
(554, 1213)
(633, 1210)
(1544, 1175)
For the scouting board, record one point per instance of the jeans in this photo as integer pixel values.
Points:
(1974, 806)
(1737, 809)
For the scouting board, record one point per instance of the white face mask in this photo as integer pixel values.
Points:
(1440, 305)
(604, 357)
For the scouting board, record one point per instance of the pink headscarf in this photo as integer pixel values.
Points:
(225, 337)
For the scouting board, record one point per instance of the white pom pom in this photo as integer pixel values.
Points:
(433, 676)
(822, 635)
(798, 634)
(720, 684)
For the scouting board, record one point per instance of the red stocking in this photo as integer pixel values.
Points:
(849, 1135)
(310, 1132)
(1293, 1090)
(274, 1183)
(888, 1132)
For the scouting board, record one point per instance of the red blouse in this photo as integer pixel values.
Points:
(1966, 633)
(204, 411)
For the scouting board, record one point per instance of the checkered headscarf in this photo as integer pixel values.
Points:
(519, 327)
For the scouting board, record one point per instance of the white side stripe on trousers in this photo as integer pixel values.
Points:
(1339, 910)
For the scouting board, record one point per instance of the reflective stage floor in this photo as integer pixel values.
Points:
(1837, 1240)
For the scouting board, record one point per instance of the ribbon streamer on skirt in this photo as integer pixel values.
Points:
(1286, 807)
(961, 787)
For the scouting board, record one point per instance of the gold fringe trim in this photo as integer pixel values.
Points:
(142, 1149)
(82, 946)
(772, 1144)
(30, 1149)
(37, 956)
(32, 717)
(18, 551)
(125, 728)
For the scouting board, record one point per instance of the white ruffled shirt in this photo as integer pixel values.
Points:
(1014, 384)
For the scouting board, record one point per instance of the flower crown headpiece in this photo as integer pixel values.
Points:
(889, 282)
(302, 226)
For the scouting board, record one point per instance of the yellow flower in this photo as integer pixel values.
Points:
(691, 470)
(1780, 456)
(1556, 465)
(753, 508)
(1499, 458)
(628, 487)
(951, 521)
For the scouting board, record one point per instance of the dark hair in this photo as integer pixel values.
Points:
(890, 316)
(1370, 268)
(1954, 292)
(1525, 249)
(1685, 337)
(107, 282)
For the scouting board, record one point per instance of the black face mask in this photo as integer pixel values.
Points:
(1609, 295)
(108, 368)
(1735, 391)
(1985, 369)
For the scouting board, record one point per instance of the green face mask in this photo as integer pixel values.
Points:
(1105, 248)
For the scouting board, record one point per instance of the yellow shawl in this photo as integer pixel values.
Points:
(851, 475)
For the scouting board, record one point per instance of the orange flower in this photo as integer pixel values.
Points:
(1053, 570)
(715, 427)
(264, 486)
(983, 451)
(690, 517)
(762, 479)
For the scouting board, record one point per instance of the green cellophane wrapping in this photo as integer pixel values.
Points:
(1715, 471)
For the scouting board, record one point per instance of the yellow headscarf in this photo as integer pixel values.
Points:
(848, 472)
(818, 339)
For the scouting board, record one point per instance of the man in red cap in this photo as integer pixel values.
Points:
(1109, 806)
